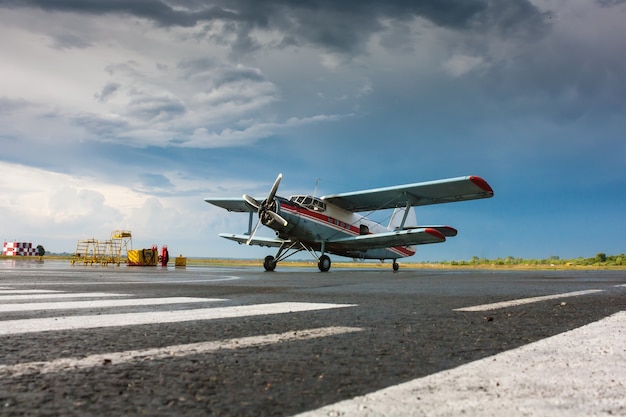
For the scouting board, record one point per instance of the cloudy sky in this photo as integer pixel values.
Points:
(126, 114)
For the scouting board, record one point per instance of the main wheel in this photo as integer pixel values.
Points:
(269, 263)
(395, 266)
(324, 263)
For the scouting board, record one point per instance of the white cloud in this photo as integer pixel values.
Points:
(56, 210)
(204, 138)
(59, 198)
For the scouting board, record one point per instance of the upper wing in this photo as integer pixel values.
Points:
(408, 237)
(231, 204)
(418, 194)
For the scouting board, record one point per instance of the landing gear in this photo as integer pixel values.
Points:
(289, 248)
(323, 263)
(395, 266)
(269, 263)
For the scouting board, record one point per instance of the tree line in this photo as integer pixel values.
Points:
(601, 259)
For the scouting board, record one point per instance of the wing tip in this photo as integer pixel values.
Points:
(482, 184)
(448, 231)
(435, 233)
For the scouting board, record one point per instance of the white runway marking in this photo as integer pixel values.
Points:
(126, 302)
(5, 291)
(577, 373)
(10, 327)
(521, 301)
(151, 280)
(26, 297)
(116, 358)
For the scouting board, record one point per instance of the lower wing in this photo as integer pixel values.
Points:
(258, 241)
(408, 237)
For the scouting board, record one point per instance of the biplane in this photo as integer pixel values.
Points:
(332, 224)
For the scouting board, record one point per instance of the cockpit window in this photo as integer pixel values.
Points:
(312, 203)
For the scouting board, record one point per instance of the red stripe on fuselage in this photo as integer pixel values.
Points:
(320, 218)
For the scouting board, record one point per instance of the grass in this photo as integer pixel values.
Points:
(485, 264)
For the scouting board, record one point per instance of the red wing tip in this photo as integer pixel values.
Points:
(436, 233)
(481, 183)
(451, 230)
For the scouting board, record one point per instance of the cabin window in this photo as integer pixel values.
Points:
(319, 205)
(312, 203)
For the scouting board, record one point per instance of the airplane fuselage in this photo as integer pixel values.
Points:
(314, 221)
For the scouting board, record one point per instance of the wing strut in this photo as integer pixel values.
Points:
(406, 213)
(250, 223)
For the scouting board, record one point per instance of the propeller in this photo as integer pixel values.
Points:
(266, 209)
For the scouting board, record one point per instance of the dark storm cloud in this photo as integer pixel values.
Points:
(8, 105)
(201, 68)
(609, 3)
(204, 69)
(102, 127)
(107, 91)
(157, 11)
(69, 41)
(342, 26)
(156, 108)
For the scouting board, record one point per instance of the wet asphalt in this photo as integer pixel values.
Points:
(408, 328)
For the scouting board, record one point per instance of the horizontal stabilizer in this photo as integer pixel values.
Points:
(447, 231)
(232, 204)
(409, 237)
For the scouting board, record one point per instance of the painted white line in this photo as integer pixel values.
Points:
(577, 373)
(10, 327)
(14, 291)
(521, 301)
(151, 280)
(125, 302)
(116, 358)
(27, 297)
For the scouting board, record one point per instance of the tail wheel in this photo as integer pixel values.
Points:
(395, 266)
(324, 263)
(269, 263)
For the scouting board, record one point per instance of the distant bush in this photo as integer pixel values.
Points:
(601, 259)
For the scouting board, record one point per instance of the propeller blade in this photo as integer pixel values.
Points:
(277, 218)
(251, 201)
(263, 208)
(274, 188)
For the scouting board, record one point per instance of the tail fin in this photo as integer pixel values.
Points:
(398, 215)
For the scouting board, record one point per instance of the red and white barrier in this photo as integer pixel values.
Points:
(18, 249)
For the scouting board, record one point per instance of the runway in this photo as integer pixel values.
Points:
(95, 340)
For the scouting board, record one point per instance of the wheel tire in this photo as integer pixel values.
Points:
(324, 263)
(269, 263)
(395, 266)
